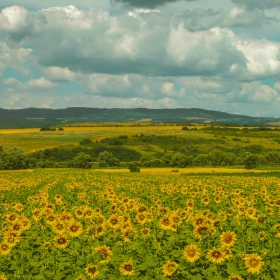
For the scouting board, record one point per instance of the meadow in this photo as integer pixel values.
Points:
(77, 224)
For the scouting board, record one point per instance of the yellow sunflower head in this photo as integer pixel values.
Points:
(192, 253)
(169, 268)
(216, 256)
(253, 263)
(127, 268)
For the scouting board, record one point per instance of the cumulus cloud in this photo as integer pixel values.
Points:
(58, 74)
(40, 83)
(138, 57)
(258, 4)
(16, 58)
(96, 42)
(13, 18)
(262, 56)
(255, 92)
(201, 19)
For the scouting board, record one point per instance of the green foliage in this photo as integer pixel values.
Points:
(180, 160)
(82, 161)
(106, 159)
(86, 142)
(202, 160)
(60, 129)
(13, 159)
(134, 167)
(251, 161)
(47, 128)
(150, 161)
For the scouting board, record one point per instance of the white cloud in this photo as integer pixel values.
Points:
(262, 56)
(58, 74)
(16, 58)
(40, 83)
(13, 18)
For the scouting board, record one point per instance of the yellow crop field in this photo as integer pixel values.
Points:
(73, 224)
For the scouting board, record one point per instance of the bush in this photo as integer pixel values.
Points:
(106, 159)
(47, 128)
(134, 167)
(86, 142)
(82, 161)
(251, 161)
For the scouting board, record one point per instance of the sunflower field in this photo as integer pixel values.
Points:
(84, 225)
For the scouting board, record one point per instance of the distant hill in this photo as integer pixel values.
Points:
(37, 117)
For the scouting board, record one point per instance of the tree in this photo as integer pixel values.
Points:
(201, 160)
(86, 142)
(134, 167)
(47, 128)
(106, 159)
(180, 160)
(250, 161)
(82, 160)
(150, 161)
(14, 159)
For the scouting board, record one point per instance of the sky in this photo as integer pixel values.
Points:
(209, 54)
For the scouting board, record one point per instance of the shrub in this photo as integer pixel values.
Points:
(134, 167)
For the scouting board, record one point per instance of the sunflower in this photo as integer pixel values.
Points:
(5, 249)
(61, 241)
(205, 200)
(253, 263)
(165, 223)
(75, 229)
(202, 231)
(11, 240)
(17, 226)
(262, 236)
(227, 252)
(228, 238)
(58, 227)
(50, 219)
(90, 231)
(114, 221)
(92, 271)
(105, 252)
(141, 218)
(100, 230)
(11, 217)
(3, 277)
(215, 256)
(251, 212)
(222, 216)
(47, 245)
(169, 268)
(145, 232)
(128, 234)
(26, 224)
(79, 213)
(127, 268)
(198, 220)
(191, 253)
(142, 209)
(235, 277)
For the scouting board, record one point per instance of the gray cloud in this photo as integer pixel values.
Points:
(257, 4)
(200, 19)
(95, 42)
(147, 3)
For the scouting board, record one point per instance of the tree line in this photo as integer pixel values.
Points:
(15, 158)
